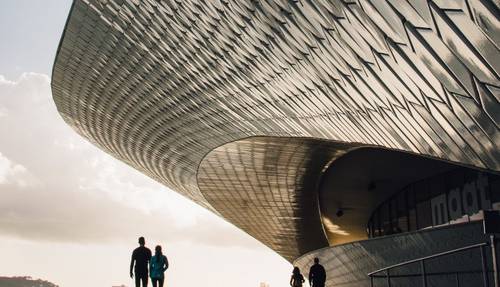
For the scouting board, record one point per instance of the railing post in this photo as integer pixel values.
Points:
(388, 278)
(494, 259)
(483, 263)
(424, 274)
(371, 280)
(457, 279)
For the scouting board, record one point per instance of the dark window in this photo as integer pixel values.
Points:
(378, 229)
(436, 212)
(437, 186)
(483, 190)
(412, 219)
(454, 179)
(421, 189)
(385, 220)
(436, 201)
(412, 212)
(394, 215)
(454, 198)
(410, 193)
(443, 217)
(424, 214)
(370, 229)
(494, 183)
(469, 199)
(402, 212)
(454, 204)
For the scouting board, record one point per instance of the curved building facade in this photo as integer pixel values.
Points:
(304, 123)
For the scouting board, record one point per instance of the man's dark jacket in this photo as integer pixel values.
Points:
(141, 256)
(317, 275)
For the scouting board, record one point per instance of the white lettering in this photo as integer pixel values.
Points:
(469, 198)
(455, 204)
(439, 212)
(482, 188)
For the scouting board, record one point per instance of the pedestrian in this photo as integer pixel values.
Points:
(297, 279)
(317, 274)
(157, 267)
(139, 263)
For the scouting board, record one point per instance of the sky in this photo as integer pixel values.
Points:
(71, 214)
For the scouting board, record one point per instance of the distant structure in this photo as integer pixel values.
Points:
(263, 284)
(365, 133)
(24, 281)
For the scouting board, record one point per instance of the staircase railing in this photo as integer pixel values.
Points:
(424, 273)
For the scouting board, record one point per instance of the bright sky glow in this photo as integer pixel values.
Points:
(71, 214)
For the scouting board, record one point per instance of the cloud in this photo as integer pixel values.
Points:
(7, 169)
(55, 186)
(12, 172)
(4, 81)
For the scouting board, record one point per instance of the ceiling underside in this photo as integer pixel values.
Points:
(160, 84)
(267, 186)
(358, 182)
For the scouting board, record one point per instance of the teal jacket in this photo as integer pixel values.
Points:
(157, 266)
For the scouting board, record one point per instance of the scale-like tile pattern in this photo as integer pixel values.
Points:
(273, 179)
(159, 84)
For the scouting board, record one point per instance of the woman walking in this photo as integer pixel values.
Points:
(297, 278)
(157, 266)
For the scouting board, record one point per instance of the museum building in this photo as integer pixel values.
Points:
(361, 132)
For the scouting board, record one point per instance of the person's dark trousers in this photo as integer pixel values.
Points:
(157, 282)
(139, 278)
(318, 285)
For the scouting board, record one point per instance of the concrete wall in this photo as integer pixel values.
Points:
(349, 264)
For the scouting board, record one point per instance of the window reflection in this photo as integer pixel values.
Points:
(453, 197)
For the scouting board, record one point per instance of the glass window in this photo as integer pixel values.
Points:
(370, 229)
(454, 179)
(377, 229)
(410, 194)
(454, 198)
(494, 184)
(394, 215)
(421, 189)
(483, 190)
(412, 219)
(437, 186)
(444, 199)
(402, 212)
(412, 212)
(385, 220)
(424, 214)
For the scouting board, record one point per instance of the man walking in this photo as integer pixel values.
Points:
(141, 257)
(317, 274)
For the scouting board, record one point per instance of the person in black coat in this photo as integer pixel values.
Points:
(140, 258)
(317, 274)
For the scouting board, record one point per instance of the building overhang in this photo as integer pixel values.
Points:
(168, 87)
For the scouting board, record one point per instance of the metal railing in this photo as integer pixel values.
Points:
(424, 273)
